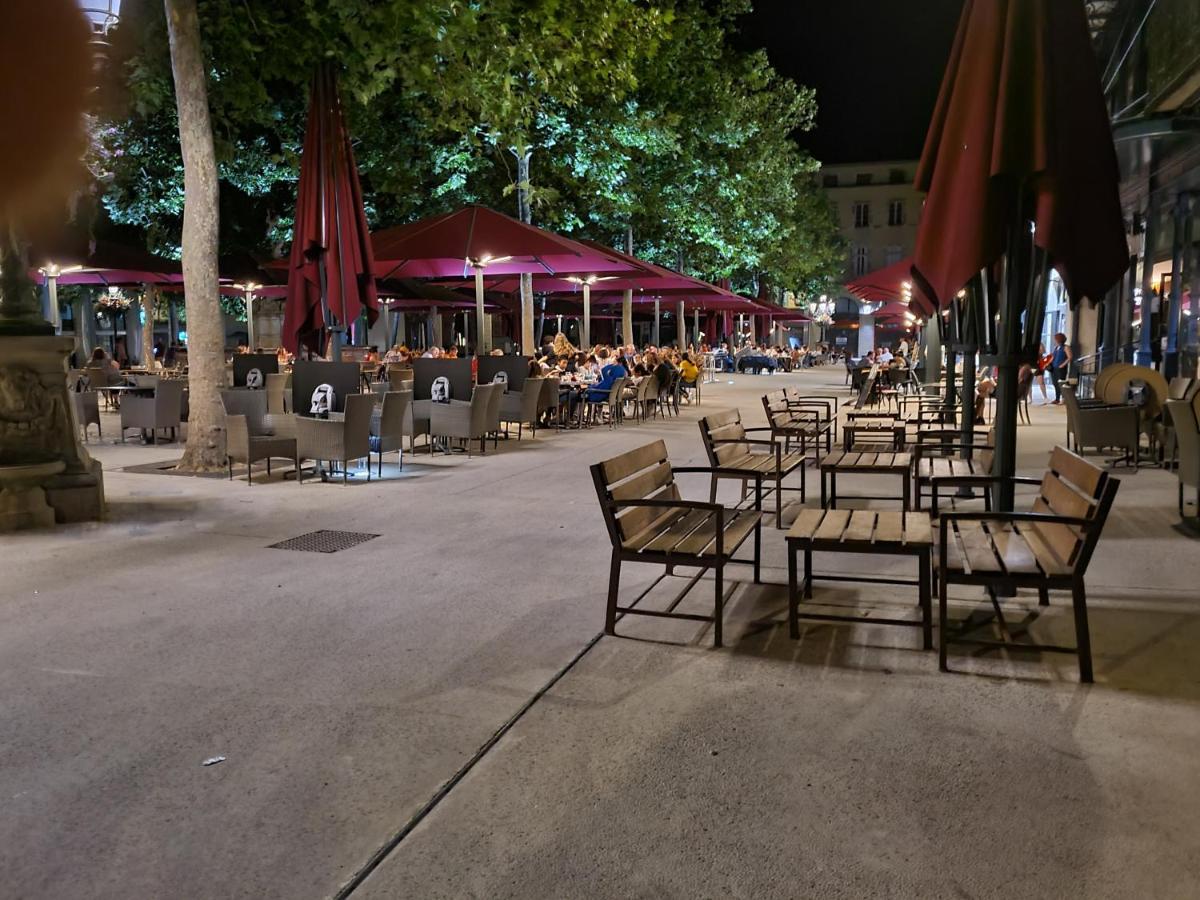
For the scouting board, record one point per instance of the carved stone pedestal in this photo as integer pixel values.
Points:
(43, 464)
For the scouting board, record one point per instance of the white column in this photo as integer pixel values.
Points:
(654, 333)
(480, 347)
(682, 328)
(251, 331)
(866, 334)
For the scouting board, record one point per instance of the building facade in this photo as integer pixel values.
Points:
(1149, 57)
(877, 210)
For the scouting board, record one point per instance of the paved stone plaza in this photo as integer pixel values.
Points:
(345, 690)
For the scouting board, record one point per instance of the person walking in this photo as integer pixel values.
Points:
(1060, 360)
(1039, 372)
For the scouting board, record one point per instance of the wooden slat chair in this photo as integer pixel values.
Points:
(808, 426)
(649, 522)
(729, 448)
(1048, 548)
(826, 405)
(938, 464)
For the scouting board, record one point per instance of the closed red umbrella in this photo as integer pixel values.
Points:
(331, 270)
(1021, 175)
(1020, 120)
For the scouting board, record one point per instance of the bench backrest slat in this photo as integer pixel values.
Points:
(640, 474)
(1075, 488)
(725, 425)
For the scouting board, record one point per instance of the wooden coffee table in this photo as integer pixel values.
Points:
(860, 531)
(864, 460)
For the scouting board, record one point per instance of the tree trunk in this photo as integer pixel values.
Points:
(525, 214)
(205, 449)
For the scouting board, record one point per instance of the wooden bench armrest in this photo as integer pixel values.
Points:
(755, 441)
(997, 479)
(1045, 518)
(920, 450)
(972, 480)
(720, 470)
(666, 504)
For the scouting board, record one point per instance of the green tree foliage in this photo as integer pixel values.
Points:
(636, 114)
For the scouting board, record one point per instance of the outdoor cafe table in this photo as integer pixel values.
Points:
(863, 459)
(860, 531)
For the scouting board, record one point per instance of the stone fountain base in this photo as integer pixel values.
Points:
(46, 475)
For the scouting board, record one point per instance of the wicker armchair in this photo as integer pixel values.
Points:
(390, 424)
(1187, 440)
(337, 441)
(87, 411)
(645, 396)
(464, 420)
(493, 413)
(276, 384)
(522, 408)
(251, 433)
(549, 400)
(162, 411)
(1102, 426)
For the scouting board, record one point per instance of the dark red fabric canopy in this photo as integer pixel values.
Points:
(331, 228)
(1020, 112)
(445, 246)
(883, 284)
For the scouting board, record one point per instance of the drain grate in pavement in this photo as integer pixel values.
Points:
(324, 541)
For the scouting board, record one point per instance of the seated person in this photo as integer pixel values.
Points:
(723, 359)
(610, 371)
(688, 373)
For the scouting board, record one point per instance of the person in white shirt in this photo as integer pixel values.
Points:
(885, 355)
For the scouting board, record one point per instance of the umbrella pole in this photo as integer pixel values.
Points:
(1008, 339)
(480, 349)
(586, 330)
(950, 396)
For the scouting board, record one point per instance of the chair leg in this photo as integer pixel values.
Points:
(718, 603)
(712, 492)
(778, 501)
(1083, 640)
(268, 467)
(614, 582)
(229, 459)
(1043, 596)
(299, 472)
(758, 552)
(942, 622)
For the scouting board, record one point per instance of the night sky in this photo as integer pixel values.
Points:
(876, 66)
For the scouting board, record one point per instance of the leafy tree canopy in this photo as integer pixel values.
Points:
(635, 115)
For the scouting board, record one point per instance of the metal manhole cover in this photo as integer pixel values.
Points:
(324, 541)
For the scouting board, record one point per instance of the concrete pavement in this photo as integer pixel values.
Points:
(345, 690)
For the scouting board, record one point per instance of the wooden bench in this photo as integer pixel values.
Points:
(797, 423)
(729, 448)
(827, 406)
(649, 522)
(1048, 548)
(939, 463)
